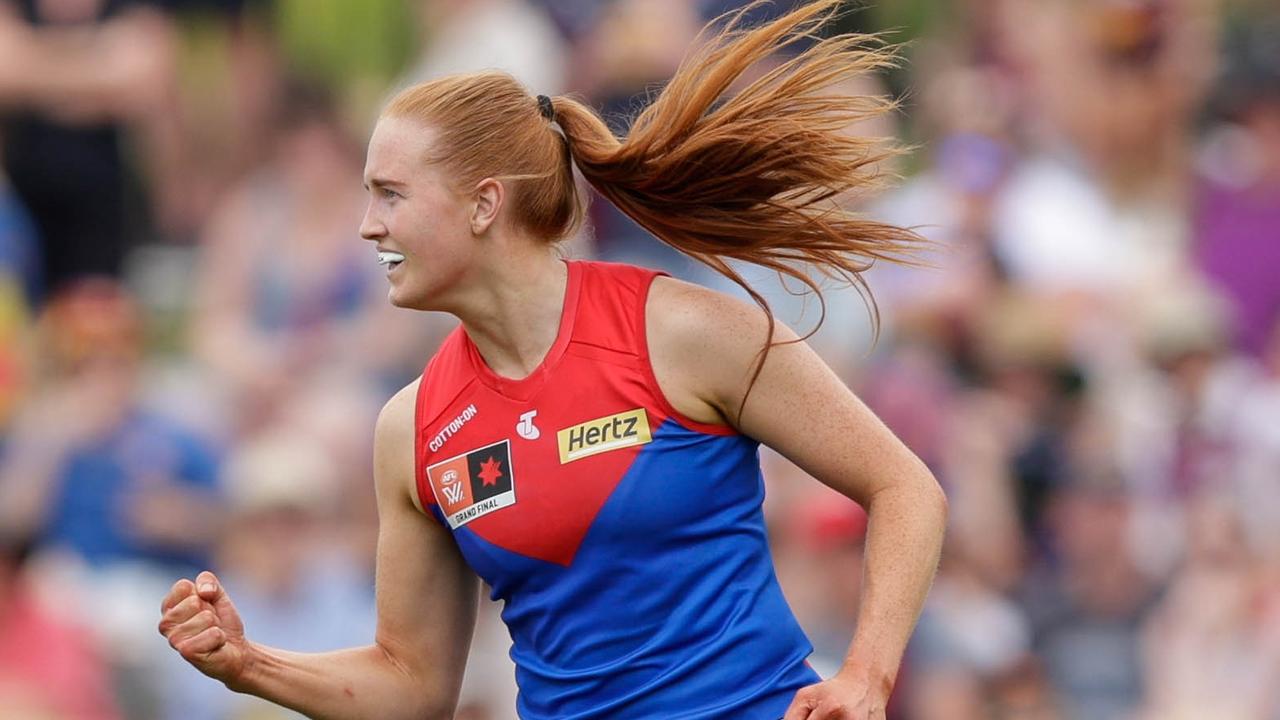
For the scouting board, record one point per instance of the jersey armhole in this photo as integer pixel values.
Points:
(426, 497)
(659, 397)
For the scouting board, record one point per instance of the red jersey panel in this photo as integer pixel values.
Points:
(625, 541)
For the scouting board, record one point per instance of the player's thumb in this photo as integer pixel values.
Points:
(802, 705)
(211, 591)
(209, 588)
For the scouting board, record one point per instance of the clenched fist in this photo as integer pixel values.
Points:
(200, 623)
(840, 698)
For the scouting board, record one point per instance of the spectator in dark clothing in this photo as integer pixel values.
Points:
(73, 75)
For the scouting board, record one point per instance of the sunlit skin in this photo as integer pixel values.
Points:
(414, 210)
(462, 254)
(465, 255)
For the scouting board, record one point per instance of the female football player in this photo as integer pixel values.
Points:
(586, 441)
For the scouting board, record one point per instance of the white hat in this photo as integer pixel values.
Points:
(281, 470)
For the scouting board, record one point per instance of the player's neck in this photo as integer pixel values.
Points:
(514, 315)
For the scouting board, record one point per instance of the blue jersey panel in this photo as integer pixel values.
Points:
(677, 613)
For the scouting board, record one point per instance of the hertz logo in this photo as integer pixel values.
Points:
(604, 434)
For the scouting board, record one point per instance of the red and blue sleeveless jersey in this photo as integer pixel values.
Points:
(626, 541)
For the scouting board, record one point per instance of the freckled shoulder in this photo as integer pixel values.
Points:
(703, 346)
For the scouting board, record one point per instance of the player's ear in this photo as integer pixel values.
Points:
(486, 203)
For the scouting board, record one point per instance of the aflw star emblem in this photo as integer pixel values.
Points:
(474, 483)
(490, 471)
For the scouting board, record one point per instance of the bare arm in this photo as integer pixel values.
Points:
(110, 70)
(426, 613)
(704, 346)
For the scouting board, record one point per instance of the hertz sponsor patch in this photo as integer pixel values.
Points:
(604, 434)
(474, 483)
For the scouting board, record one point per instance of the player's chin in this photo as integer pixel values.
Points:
(408, 298)
(400, 299)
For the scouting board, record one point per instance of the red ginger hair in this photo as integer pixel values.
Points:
(756, 176)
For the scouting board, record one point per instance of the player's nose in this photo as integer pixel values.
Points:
(371, 227)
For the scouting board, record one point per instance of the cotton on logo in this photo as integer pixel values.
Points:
(526, 428)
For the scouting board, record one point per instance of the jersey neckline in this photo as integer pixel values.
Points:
(525, 388)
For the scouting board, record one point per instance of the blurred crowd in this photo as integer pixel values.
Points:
(194, 341)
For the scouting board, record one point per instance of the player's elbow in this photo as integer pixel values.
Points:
(426, 705)
(922, 492)
(420, 704)
(419, 694)
(938, 498)
(930, 497)
(438, 713)
(437, 705)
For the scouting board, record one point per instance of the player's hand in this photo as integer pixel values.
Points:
(200, 623)
(840, 698)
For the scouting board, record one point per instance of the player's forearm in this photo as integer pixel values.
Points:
(904, 541)
(354, 684)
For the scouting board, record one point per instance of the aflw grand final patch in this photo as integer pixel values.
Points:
(473, 484)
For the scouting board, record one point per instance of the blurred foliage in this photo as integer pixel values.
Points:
(345, 43)
(909, 19)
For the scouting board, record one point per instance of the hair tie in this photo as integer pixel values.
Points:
(546, 108)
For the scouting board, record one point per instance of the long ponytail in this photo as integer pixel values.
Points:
(756, 176)
(759, 176)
